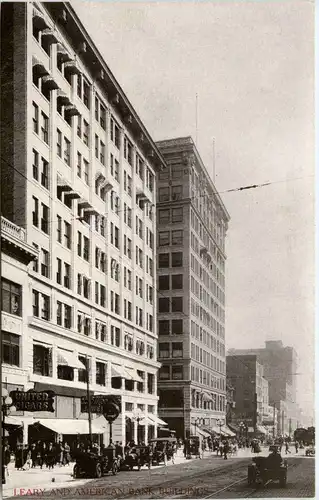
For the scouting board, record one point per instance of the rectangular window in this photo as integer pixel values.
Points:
(86, 248)
(163, 304)
(102, 153)
(163, 350)
(177, 193)
(35, 118)
(35, 212)
(177, 304)
(59, 271)
(86, 133)
(177, 372)
(86, 287)
(177, 349)
(42, 360)
(10, 349)
(177, 282)
(11, 297)
(115, 336)
(44, 128)
(177, 215)
(177, 326)
(44, 173)
(45, 219)
(67, 234)
(163, 260)
(79, 165)
(96, 146)
(163, 194)
(67, 151)
(164, 216)
(67, 275)
(103, 117)
(86, 166)
(67, 316)
(163, 238)
(177, 237)
(35, 164)
(163, 282)
(164, 372)
(177, 259)
(45, 263)
(163, 327)
(59, 143)
(100, 373)
(86, 94)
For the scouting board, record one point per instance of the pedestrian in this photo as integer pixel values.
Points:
(66, 454)
(287, 447)
(19, 457)
(34, 455)
(225, 450)
(50, 457)
(296, 446)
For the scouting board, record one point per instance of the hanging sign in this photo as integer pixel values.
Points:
(32, 400)
(109, 406)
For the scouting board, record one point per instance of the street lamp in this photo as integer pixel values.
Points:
(196, 422)
(138, 416)
(242, 428)
(6, 408)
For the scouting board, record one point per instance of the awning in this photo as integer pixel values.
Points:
(50, 82)
(203, 433)
(50, 34)
(63, 53)
(261, 429)
(156, 420)
(133, 375)
(39, 67)
(119, 371)
(64, 99)
(72, 110)
(72, 67)
(67, 358)
(71, 426)
(12, 421)
(39, 20)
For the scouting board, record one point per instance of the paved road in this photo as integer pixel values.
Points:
(209, 478)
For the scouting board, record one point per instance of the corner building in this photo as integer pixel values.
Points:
(79, 176)
(192, 224)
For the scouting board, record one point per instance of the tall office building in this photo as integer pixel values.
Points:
(192, 223)
(79, 177)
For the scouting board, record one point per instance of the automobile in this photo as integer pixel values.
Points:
(138, 456)
(264, 470)
(163, 449)
(310, 451)
(96, 465)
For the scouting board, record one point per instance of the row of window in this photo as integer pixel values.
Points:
(174, 259)
(207, 339)
(206, 258)
(208, 359)
(208, 281)
(168, 216)
(167, 327)
(170, 350)
(166, 238)
(168, 193)
(206, 378)
(204, 235)
(206, 299)
(170, 304)
(171, 372)
(217, 403)
(173, 282)
(199, 312)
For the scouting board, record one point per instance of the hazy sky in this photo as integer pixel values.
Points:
(251, 64)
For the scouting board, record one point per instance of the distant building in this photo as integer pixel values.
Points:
(280, 368)
(245, 375)
(192, 223)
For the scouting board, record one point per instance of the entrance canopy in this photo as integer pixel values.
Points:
(72, 426)
(261, 429)
(157, 421)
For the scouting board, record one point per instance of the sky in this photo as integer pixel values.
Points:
(251, 65)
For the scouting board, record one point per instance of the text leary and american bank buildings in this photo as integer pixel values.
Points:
(82, 181)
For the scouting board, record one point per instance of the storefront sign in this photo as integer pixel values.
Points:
(33, 401)
(109, 406)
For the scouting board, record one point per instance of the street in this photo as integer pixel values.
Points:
(212, 477)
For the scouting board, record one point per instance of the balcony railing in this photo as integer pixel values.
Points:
(10, 228)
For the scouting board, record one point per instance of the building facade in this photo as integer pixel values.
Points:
(192, 224)
(79, 176)
(245, 375)
(280, 369)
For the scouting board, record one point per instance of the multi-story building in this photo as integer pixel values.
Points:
(192, 223)
(79, 176)
(280, 369)
(245, 375)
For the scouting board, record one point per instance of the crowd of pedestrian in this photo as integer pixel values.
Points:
(38, 454)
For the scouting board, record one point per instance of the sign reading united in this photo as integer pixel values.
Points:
(109, 406)
(32, 400)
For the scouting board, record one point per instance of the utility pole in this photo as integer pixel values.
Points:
(255, 413)
(274, 434)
